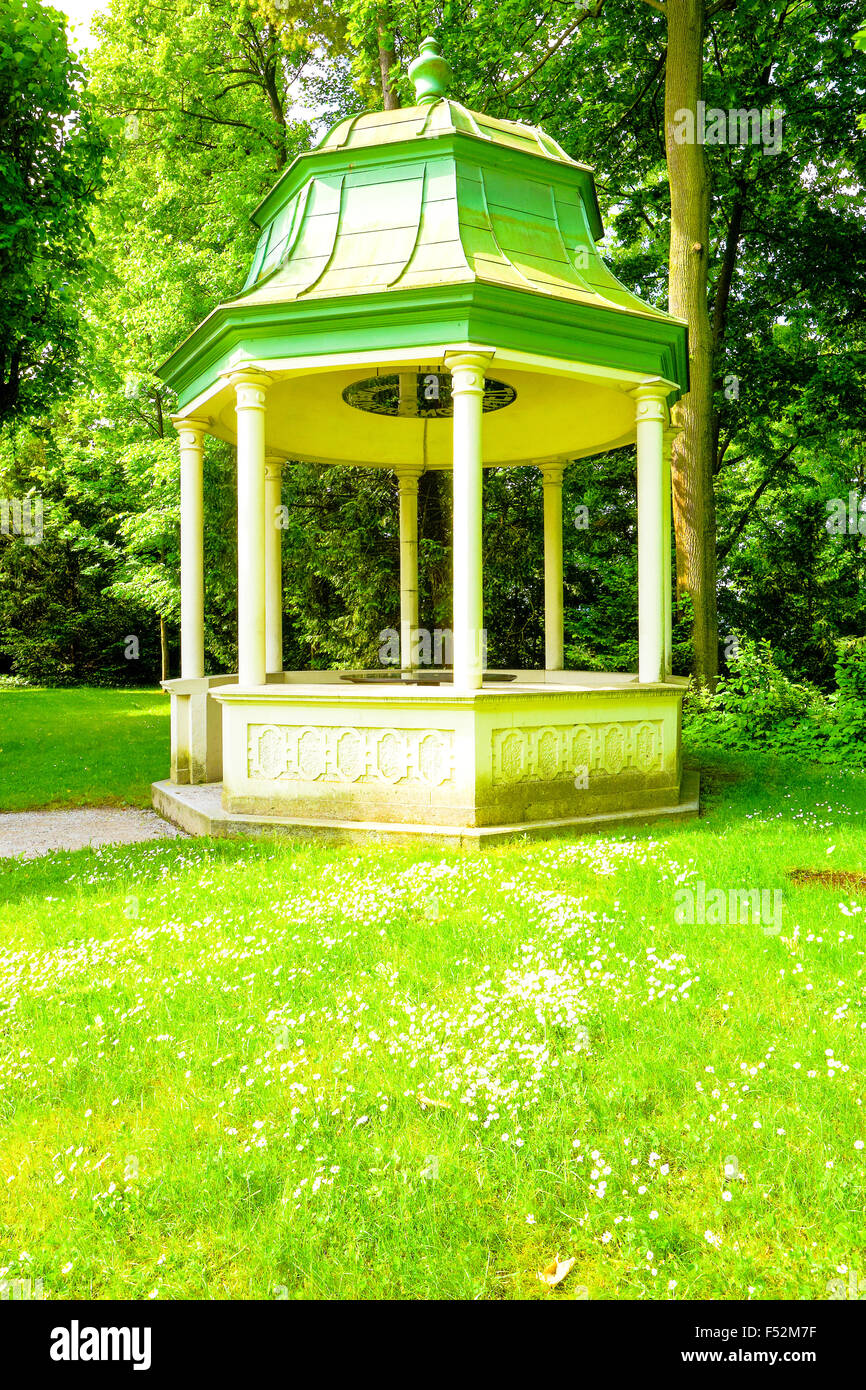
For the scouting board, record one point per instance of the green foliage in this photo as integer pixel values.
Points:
(860, 42)
(847, 733)
(50, 166)
(192, 105)
(58, 622)
(202, 104)
(342, 524)
(758, 707)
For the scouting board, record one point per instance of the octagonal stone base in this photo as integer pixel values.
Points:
(544, 749)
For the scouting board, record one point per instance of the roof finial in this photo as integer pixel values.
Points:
(430, 73)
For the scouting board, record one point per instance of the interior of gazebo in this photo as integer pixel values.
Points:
(426, 294)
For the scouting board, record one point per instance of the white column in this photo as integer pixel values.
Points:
(670, 435)
(467, 390)
(407, 482)
(273, 564)
(551, 474)
(651, 416)
(191, 434)
(250, 391)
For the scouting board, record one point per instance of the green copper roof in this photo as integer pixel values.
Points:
(428, 195)
(446, 210)
(439, 118)
(409, 206)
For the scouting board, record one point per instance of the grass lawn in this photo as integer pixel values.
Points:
(84, 747)
(258, 1070)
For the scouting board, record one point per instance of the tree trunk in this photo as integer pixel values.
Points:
(387, 58)
(269, 78)
(163, 648)
(692, 466)
(434, 527)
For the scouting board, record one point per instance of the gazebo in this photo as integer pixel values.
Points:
(426, 293)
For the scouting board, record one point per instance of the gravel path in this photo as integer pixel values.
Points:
(27, 834)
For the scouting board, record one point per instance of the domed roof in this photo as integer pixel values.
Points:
(432, 193)
(439, 224)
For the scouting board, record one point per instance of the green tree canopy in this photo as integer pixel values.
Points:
(50, 167)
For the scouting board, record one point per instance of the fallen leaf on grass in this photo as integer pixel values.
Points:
(555, 1272)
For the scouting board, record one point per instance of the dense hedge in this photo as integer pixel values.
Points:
(760, 707)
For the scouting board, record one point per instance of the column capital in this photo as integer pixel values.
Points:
(192, 426)
(467, 367)
(551, 473)
(654, 386)
(651, 399)
(250, 385)
(274, 465)
(408, 474)
(669, 434)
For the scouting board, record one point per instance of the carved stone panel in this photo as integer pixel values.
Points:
(551, 753)
(340, 755)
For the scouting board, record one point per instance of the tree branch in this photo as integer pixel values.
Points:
(722, 295)
(566, 34)
(662, 59)
(753, 500)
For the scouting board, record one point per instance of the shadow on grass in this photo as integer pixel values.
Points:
(736, 785)
(91, 870)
